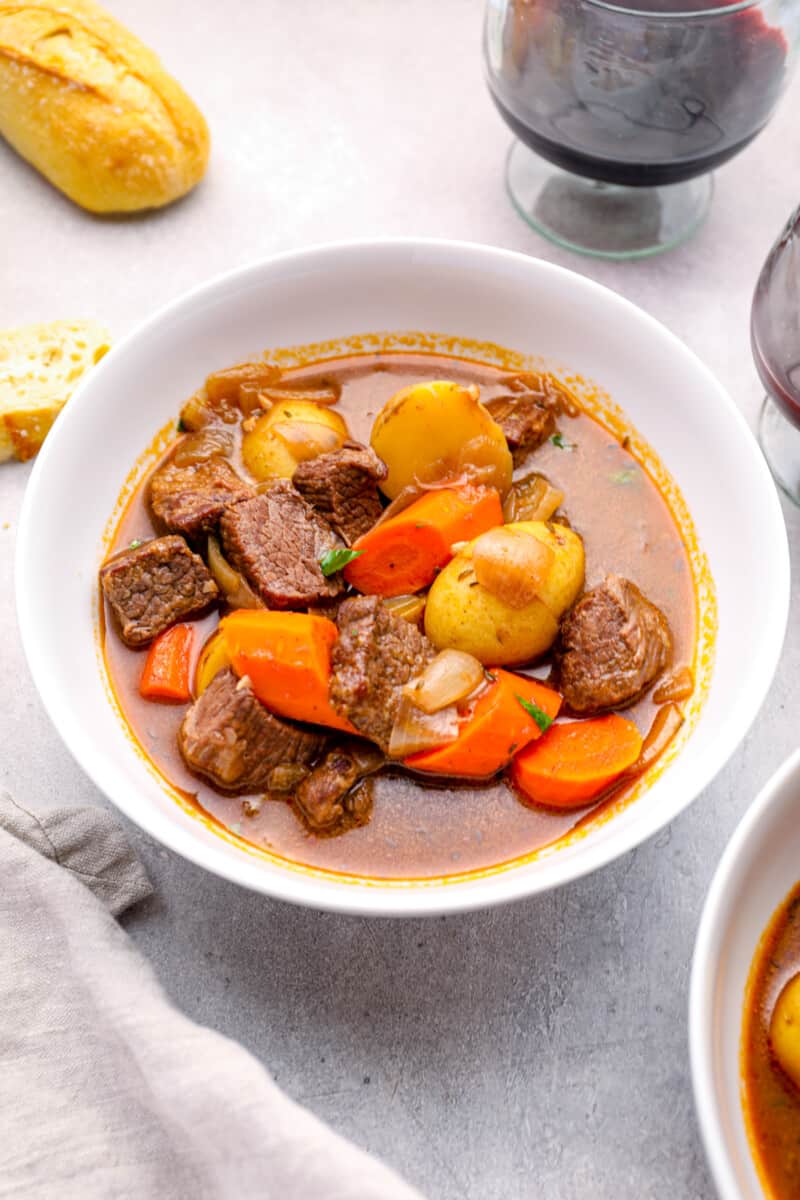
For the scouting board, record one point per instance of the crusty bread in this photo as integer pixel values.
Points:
(92, 108)
(40, 367)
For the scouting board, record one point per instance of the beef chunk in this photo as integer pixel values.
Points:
(276, 540)
(376, 654)
(232, 739)
(154, 585)
(612, 646)
(527, 421)
(328, 797)
(342, 487)
(190, 500)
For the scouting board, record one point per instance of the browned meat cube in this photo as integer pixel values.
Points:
(277, 540)
(329, 798)
(341, 486)
(527, 421)
(376, 654)
(613, 644)
(153, 585)
(229, 737)
(190, 500)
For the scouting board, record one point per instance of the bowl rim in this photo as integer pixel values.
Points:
(372, 898)
(705, 967)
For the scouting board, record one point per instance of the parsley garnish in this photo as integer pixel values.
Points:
(335, 560)
(626, 475)
(539, 715)
(135, 544)
(558, 440)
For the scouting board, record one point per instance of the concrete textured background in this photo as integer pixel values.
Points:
(539, 1050)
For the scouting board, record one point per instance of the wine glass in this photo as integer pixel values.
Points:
(622, 109)
(775, 338)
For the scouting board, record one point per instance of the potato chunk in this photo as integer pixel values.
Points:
(436, 430)
(462, 614)
(784, 1030)
(291, 432)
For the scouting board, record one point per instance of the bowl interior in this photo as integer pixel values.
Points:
(337, 292)
(759, 868)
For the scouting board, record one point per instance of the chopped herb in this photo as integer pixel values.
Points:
(182, 426)
(558, 440)
(335, 560)
(626, 475)
(474, 583)
(420, 524)
(136, 543)
(539, 715)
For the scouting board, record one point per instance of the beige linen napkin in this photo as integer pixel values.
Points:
(106, 1091)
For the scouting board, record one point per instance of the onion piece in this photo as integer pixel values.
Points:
(224, 385)
(207, 443)
(511, 564)
(451, 676)
(306, 439)
(532, 498)
(666, 724)
(213, 658)
(234, 587)
(197, 413)
(678, 685)
(415, 730)
(410, 608)
(326, 394)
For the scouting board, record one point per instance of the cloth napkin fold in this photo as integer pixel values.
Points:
(106, 1090)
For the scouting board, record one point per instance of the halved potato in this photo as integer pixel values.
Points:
(463, 615)
(784, 1030)
(289, 433)
(431, 430)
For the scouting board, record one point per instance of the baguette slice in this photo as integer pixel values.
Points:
(40, 367)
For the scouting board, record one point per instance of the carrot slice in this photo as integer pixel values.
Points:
(167, 668)
(287, 658)
(403, 554)
(497, 726)
(577, 762)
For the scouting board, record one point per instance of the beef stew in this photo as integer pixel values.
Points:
(276, 487)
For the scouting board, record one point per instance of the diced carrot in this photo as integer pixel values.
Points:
(494, 730)
(167, 669)
(577, 762)
(403, 554)
(287, 658)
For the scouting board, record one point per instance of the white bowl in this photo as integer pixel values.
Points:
(759, 868)
(333, 292)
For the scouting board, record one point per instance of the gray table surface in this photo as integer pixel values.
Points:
(537, 1050)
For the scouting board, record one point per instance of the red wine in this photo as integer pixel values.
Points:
(636, 99)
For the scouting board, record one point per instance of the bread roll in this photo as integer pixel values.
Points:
(92, 108)
(40, 367)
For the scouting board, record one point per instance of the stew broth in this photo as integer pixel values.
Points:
(430, 830)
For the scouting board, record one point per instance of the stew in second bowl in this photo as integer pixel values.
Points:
(771, 1053)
